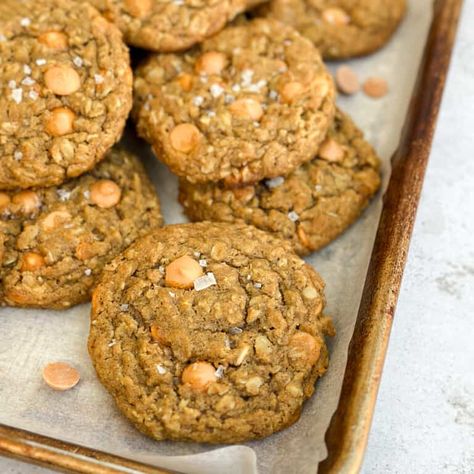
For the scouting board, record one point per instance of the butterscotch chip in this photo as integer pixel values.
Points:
(311, 206)
(105, 193)
(249, 112)
(66, 90)
(183, 272)
(376, 87)
(60, 376)
(340, 28)
(31, 262)
(230, 360)
(185, 137)
(60, 122)
(166, 26)
(54, 39)
(347, 80)
(56, 240)
(211, 63)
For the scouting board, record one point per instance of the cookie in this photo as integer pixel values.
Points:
(310, 207)
(54, 242)
(171, 25)
(251, 102)
(340, 28)
(65, 90)
(209, 332)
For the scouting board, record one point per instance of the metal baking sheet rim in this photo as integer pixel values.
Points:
(348, 432)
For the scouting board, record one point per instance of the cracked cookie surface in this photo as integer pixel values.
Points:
(171, 25)
(65, 90)
(311, 206)
(253, 101)
(340, 28)
(54, 242)
(209, 332)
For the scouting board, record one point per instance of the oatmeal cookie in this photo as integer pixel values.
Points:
(340, 28)
(209, 332)
(311, 206)
(171, 25)
(65, 90)
(254, 101)
(54, 242)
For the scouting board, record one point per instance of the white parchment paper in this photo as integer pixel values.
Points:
(86, 415)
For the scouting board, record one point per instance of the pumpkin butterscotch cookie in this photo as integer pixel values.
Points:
(171, 25)
(209, 332)
(340, 28)
(65, 90)
(311, 206)
(55, 241)
(251, 102)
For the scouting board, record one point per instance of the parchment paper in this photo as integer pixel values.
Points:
(86, 415)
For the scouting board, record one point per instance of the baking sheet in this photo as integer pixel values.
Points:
(86, 415)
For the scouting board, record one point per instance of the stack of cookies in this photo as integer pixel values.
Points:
(212, 331)
(69, 202)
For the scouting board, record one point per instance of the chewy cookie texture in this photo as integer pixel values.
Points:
(55, 241)
(340, 28)
(65, 90)
(251, 102)
(166, 26)
(311, 206)
(209, 332)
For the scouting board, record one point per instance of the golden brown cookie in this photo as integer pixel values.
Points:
(311, 206)
(171, 25)
(54, 242)
(65, 90)
(253, 101)
(209, 332)
(340, 28)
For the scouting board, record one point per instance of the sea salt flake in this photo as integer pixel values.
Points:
(124, 307)
(12, 84)
(161, 269)
(33, 95)
(198, 101)
(257, 285)
(178, 2)
(235, 330)
(98, 79)
(228, 98)
(172, 294)
(86, 194)
(247, 75)
(27, 81)
(205, 281)
(216, 90)
(25, 22)
(18, 155)
(112, 343)
(203, 262)
(219, 372)
(78, 62)
(88, 272)
(274, 182)
(17, 95)
(160, 369)
(40, 62)
(210, 113)
(256, 124)
(236, 88)
(63, 194)
(273, 95)
(318, 187)
(27, 69)
(293, 216)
